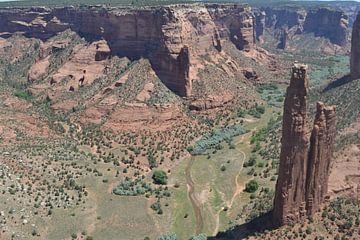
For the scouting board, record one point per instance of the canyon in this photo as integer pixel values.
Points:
(305, 157)
(96, 99)
(172, 38)
(175, 38)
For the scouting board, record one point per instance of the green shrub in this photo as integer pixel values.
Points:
(159, 177)
(26, 95)
(251, 186)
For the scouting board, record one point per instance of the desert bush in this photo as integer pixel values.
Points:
(159, 177)
(252, 186)
(130, 187)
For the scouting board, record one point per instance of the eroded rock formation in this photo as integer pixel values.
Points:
(304, 160)
(320, 154)
(355, 49)
(289, 202)
(170, 37)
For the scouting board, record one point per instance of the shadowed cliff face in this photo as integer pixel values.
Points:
(304, 160)
(170, 37)
(328, 23)
(355, 49)
(323, 22)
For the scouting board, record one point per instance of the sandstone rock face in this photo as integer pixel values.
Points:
(355, 49)
(170, 37)
(323, 22)
(304, 160)
(289, 204)
(321, 149)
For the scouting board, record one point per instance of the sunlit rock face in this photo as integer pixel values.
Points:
(170, 37)
(305, 155)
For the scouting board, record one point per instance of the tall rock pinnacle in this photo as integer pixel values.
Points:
(289, 202)
(320, 154)
(355, 49)
(305, 158)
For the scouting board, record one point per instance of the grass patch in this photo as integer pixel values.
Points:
(26, 95)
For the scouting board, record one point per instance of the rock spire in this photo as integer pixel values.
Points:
(305, 156)
(355, 49)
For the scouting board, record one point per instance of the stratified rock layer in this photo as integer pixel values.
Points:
(172, 38)
(355, 49)
(304, 160)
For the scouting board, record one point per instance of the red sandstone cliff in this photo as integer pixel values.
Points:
(172, 38)
(304, 161)
(355, 49)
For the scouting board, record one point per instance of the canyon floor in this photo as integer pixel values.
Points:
(82, 139)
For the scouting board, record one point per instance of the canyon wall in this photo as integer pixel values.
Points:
(323, 22)
(332, 24)
(305, 157)
(355, 49)
(170, 37)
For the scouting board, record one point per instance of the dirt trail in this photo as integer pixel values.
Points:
(194, 201)
(239, 188)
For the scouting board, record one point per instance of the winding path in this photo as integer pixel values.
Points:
(239, 188)
(194, 201)
(196, 204)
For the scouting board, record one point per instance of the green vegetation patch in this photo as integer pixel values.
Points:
(130, 187)
(159, 177)
(214, 138)
(26, 95)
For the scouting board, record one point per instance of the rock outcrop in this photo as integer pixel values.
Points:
(355, 49)
(304, 160)
(260, 25)
(171, 37)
